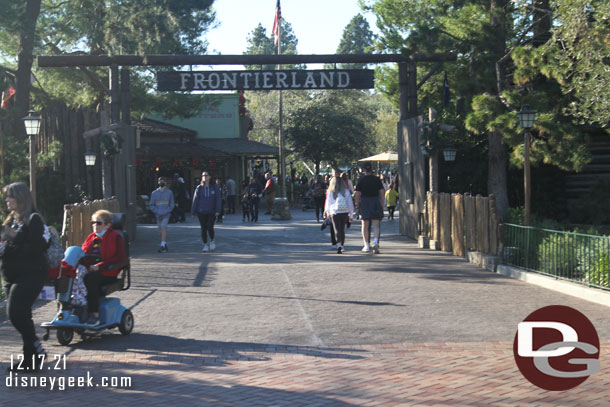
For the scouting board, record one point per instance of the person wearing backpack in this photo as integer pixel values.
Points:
(24, 269)
(340, 207)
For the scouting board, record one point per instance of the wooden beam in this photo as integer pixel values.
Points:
(180, 60)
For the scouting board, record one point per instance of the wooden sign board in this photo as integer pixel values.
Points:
(265, 80)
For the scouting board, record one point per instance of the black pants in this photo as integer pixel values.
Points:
(339, 222)
(253, 203)
(94, 281)
(319, 202)
(206, 220)
(20, 298)
(391, 211)
(333, 238)
(231, 203)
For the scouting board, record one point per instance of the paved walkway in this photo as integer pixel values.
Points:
(275, 318)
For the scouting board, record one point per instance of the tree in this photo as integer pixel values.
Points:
(43, 27)
(492, 76)
(261, 44)
(357, 39)
(332, 126)
(577, 57)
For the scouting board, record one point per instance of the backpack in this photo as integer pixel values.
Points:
(54, 253)
(318, 191)
(341, 204)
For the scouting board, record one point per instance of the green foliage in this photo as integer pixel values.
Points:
(49, 159)
(332, 127)
(557, 255)
(578, 55)
(600, 272)
(357, 39)
(261, 44)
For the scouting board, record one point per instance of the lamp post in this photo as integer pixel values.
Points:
(90, 158)
(526, 121)
(32, 128)
(449, 153)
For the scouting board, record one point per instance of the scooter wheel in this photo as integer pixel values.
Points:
(126, 325)
(64, 336)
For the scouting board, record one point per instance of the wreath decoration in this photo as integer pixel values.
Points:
(111, 143)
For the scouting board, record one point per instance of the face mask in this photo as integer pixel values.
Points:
(102, 233)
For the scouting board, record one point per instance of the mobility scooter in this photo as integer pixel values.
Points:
(112, 314)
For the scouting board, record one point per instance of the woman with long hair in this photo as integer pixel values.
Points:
(340, 207)
(24, 269)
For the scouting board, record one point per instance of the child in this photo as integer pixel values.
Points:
(391, 196)
(245, 209)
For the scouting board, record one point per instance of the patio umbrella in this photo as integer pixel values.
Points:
(382, 157)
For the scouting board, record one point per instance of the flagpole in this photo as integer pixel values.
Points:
(279, 67)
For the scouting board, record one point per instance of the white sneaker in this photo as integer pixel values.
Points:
(366, 248)
(333, 246)
(206, 248)
(212, 246)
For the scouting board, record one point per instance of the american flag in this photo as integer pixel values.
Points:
(276, 22)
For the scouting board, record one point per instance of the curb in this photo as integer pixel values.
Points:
(584, 293)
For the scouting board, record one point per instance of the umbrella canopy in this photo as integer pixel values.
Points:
(382, 157)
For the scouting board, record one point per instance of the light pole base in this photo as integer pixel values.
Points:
(281, 209)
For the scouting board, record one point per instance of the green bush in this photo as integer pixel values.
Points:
(557, 255)
(599, 273)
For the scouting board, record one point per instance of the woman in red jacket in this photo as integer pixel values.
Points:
(106, 247)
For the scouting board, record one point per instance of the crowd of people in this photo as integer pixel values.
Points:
(336, 201)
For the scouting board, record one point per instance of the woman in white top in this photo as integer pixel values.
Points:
(340, 207)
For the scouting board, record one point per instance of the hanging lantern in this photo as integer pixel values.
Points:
(139, 162)
(212, 162)
(177, 162)
(157, 162)
(195, 162)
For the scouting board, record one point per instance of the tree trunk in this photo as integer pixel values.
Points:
(497, 154)
(24, 65)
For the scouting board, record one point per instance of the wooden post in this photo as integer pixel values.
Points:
(445, 222)
(482, 216)
(469, 222)
(493, 226)
(457, 224)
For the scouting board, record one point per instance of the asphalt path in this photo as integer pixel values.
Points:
(278, 283)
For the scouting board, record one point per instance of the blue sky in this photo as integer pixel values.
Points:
(317, 24)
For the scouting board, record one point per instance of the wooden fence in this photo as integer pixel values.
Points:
(461, 223)
(77, 219)
(67, 126)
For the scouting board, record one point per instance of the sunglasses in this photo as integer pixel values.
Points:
(97, 222)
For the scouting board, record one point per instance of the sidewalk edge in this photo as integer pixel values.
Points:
(585, 293)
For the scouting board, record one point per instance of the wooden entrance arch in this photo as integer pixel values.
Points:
(411, 163)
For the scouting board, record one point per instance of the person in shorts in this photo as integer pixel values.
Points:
(161, 204)
(370, 197)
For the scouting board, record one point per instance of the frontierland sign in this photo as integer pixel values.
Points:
(265, 80)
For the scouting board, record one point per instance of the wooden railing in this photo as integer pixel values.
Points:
(77, 219)
(460, 223)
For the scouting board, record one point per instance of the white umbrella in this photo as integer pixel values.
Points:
(389, 156)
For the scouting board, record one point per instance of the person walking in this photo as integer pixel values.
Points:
(207, 203)
(223, 202)
(162, 204)
(391, 197)
(269, 192)
(231, 195)
(318, 192)
(22, 247)
(255, 192)
(370, 197)
(340, 207)
(180, 197)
